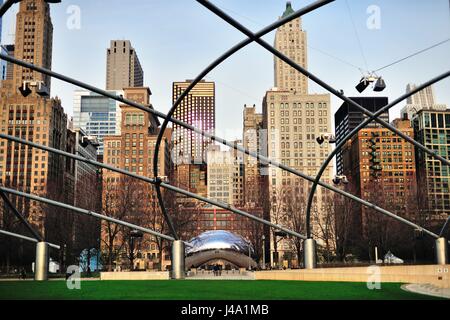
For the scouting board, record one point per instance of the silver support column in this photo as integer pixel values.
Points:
(441, 251)
(41, 263)
(178, 271)
(309, 252)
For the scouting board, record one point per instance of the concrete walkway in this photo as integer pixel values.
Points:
(428, 289)
(224, 276)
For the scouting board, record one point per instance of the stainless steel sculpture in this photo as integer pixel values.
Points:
(220, 245)
(219, 239)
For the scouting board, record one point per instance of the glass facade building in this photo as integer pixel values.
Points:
(432, 129)
(97, 115)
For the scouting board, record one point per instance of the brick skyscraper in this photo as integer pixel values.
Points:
(33, 117)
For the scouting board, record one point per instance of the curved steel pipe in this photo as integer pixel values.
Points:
(202, 74)
(85, 212)
(311, 76)
(21, 218)
(350, 135)
(6, 6)
(152, 181)
(293, 64)
(210, 136)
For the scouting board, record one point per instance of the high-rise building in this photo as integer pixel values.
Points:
(423, 100)
(432, 129)
(7, 68)
(293, 122)
(34, 118)
(133, 150)
(293, 119)
(253, 140)
(199, 110)
(349, 117)
(97, 115)
(291, 40)
(191, 177)
(83, 188)
(123, 69)
(3, 65)
(34, 41)
(425, 97)
(225, 175)
(380, 167)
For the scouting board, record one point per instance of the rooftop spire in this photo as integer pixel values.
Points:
(288, 10)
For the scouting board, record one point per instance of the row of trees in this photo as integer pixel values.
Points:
(135, 202)
(347, 231)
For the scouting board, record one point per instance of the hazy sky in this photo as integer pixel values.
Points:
(176, 39)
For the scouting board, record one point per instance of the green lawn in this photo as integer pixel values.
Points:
(202, 289)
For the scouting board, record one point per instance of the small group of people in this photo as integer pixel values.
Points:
(217, 270)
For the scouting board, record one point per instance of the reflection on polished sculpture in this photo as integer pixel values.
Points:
(219, 245)
(219, 239)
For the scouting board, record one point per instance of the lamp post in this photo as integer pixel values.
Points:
(133, 235)
(249, 259)
(263, 252)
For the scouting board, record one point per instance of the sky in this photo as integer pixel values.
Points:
(175, 40)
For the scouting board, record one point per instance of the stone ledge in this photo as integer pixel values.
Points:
(438, 275)
(162, 275)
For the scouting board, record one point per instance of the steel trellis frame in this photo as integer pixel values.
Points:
(21, 218)
(335, 92)
(353, 133)
(207, 70)
(212, 137)
(85, 212)
(6, 6)
(19, 236)
(151, 181)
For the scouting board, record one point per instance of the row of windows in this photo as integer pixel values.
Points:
(308, 105)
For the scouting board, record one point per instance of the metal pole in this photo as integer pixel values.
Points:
(86, 212)
(24, 221)
(441, 251)
(266, 160)
(309, 252)
(354, 132)
(311, 76)
(5, 7)
(263, 252)
(444, 227)
(293, 64)
(178, 269)
(168, 118)
(41, 264)
(19, 236)
(249, 259)
(376, 255)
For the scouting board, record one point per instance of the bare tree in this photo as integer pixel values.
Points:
(88, 229)
(119, 202)
(344, 211)
(59, 223)
(325, 220)
(295, 206)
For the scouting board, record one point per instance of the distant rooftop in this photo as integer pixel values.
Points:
(288, 10)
